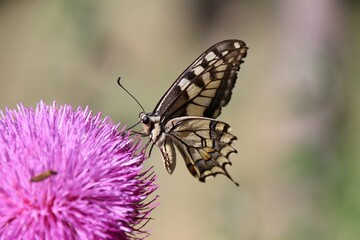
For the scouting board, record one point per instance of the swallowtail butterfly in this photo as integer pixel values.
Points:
(185, 115)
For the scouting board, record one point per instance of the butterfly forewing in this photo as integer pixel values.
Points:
(185, 115)
(206, 85)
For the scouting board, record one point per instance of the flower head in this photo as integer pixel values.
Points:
(68, 174)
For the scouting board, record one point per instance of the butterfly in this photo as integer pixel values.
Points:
(185, 115)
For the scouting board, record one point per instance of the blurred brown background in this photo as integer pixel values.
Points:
(295, 108)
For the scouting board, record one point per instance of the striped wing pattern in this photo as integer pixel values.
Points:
(206, 85)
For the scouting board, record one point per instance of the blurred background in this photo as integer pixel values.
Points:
(295, 108)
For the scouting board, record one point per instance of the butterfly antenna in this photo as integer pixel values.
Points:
(119, 82)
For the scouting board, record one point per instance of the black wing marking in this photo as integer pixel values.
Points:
(204, 143)
(206, 85)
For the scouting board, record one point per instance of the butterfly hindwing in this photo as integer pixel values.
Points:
(204, 143)
(206, 85)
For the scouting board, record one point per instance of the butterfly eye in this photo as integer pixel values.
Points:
(145, 120)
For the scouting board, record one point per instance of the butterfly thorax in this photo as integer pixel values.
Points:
(151, 125)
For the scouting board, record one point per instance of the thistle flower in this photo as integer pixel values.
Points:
(68, 174)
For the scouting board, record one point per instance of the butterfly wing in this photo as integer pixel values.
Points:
(204, 143)
(206, 85)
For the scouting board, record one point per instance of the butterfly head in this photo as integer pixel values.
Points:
(150, 122)
(145, 120)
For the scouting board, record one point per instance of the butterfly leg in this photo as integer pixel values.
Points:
(146, 146)
(141, 134)
(151, 148)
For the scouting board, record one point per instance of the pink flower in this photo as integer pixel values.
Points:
(68, 174)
